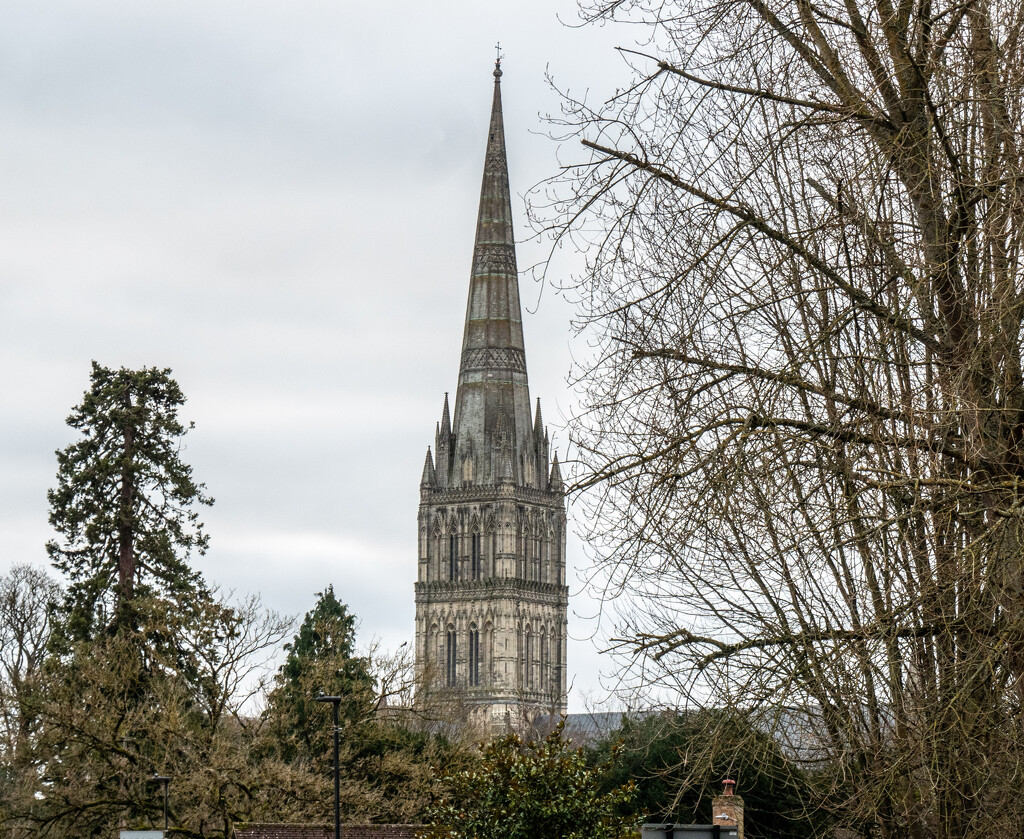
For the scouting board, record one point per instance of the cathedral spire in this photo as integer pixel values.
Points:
(492, 371)
(492, 524)
(493, 336)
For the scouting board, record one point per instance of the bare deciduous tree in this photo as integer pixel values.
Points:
(803, 438)
(27, 598)
(238, 668)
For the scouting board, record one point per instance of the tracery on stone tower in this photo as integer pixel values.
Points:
(491, 599)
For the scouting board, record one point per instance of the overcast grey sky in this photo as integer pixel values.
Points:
(276, 200)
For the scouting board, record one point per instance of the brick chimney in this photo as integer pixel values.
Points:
(727, 808)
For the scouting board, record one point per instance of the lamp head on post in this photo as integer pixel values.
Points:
(335, 701)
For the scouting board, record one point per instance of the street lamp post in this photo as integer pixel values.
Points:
(163, 779)
(335, 701)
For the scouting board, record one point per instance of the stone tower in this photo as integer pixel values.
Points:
(491, 598)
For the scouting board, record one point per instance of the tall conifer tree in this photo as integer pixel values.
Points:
(124, 502)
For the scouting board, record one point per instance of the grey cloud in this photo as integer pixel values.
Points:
(277, 200)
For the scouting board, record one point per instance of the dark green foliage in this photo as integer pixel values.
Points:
(387, 772)
(123, 502)
(146, 671)
(115, 709)
(677, 775)
(538, 789)
(328, 633)
(112, 710)
(321, 659)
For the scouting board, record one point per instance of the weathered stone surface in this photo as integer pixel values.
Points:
(491, 598)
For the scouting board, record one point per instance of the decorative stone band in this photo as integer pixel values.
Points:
(494, 258)
(470, 591)
(494, 358)
(483, 493)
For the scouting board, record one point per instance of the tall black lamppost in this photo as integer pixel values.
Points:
(163, 779)
(335, 701)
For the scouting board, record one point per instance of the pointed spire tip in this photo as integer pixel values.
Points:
(428, 476)
(555, 483)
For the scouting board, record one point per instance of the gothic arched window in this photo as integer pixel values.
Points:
(545, 680)
(474, 656)
(453, 557)
(528, 659)
(556, 640)
(545, 563)
(475, 557)
(488, 652)
(556, 555)
(437, 558)
(450, 658)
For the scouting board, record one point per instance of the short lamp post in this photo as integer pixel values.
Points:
(335, 701)
(163, 779)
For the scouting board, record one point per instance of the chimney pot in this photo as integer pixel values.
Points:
(728, 808)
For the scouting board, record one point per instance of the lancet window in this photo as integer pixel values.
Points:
(475, 557)
(451, 654)
(545, 679)
(474, 657)
(528, 662)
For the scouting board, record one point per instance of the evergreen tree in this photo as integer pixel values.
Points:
(538, 789)
(678, 761)
(118, 708)
(321, 659)
(387, 765)
(123, 504)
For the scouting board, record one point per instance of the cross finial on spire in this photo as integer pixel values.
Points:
(497, 60)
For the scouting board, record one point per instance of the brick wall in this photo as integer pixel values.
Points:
(326, 831)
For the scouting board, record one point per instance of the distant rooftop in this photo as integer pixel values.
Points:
(266, 830)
